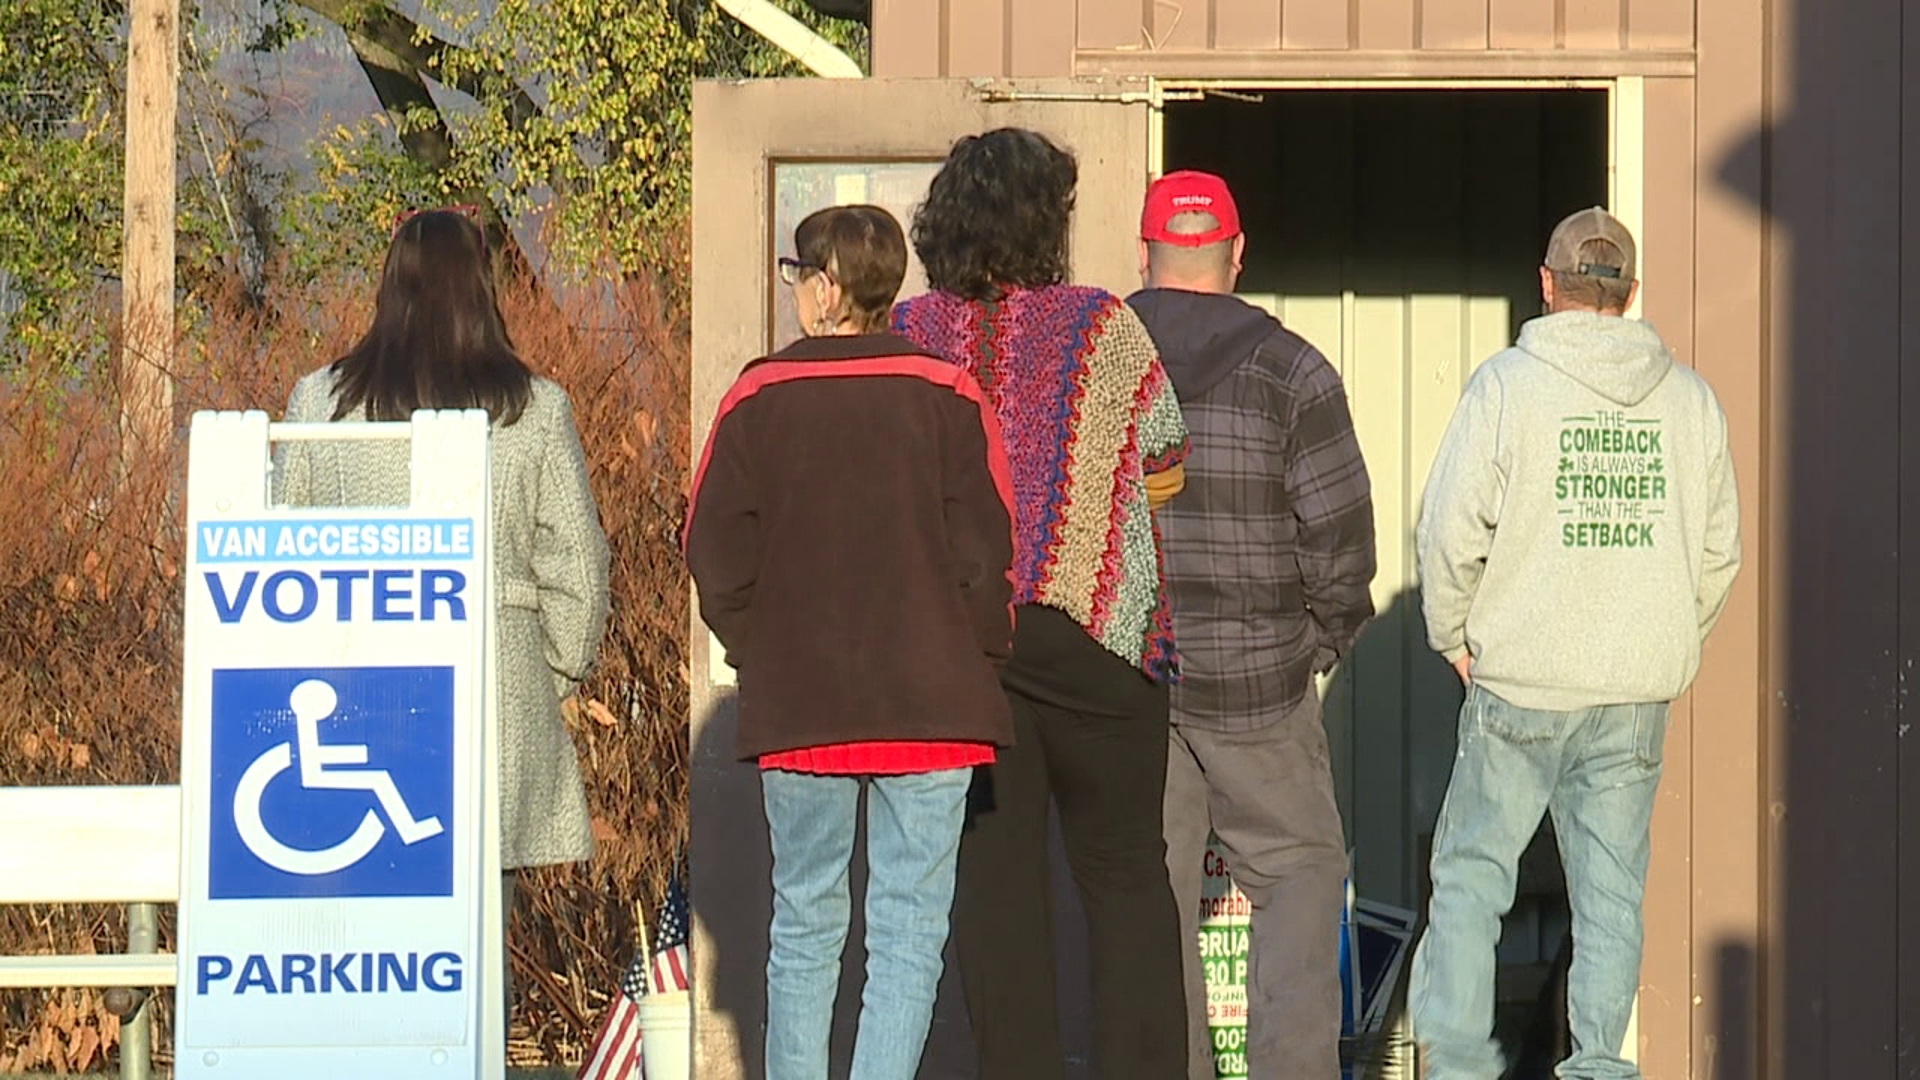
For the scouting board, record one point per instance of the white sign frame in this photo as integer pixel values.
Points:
(384, 962)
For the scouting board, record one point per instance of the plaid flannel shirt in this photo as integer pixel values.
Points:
(1270, 548)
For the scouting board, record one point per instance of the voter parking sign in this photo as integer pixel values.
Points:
(340, 889)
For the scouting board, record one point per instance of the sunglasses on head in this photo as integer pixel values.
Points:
(466, 210)
(794, 271)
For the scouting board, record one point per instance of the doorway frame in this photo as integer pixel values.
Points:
(1626, 126)
(1626, 200)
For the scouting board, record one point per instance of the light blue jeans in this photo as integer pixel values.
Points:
(913, 841)
(1596, 771)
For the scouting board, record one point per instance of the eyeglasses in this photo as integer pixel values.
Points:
(466, 210)
(794, 271)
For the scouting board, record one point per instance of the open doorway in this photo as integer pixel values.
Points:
(1398, 192)
(1400, 230)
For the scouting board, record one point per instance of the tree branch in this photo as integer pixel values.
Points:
(402, 40)
(382, 41)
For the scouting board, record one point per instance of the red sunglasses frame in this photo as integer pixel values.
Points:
(466, 210)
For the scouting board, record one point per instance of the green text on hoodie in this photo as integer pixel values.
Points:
(1580, 528)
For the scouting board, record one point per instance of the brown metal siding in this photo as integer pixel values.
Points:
(1392, 25)
(1178, 25)
(977, 45)
(1107, 25)
(1254, 23)
(909, 37)
(967, 38)
(1728, 341)
(1385, 24)
(1659, 26)
(1314, 24)
(1040, 37)
(1042, 42)
(1522, 24)
(1454, 24)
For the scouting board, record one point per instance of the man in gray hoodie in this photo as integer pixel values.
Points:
(1578, 538)
(1268, 553)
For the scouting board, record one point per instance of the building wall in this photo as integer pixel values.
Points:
(1698, 1015)
(1783, 261)
(1702, 245)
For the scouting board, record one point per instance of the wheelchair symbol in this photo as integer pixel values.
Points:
(313, 701)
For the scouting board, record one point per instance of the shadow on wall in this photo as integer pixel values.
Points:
(1391, 717)
(1730, 1045)
(1839, 838)
(1391, 711)
(732, 867)
(1392, 721)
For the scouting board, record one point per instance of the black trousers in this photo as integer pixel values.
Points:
(1107, 772)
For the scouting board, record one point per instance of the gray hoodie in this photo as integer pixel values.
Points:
(1580, 528)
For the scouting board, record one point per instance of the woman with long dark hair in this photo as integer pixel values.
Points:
(438, 342)
(1095, 440)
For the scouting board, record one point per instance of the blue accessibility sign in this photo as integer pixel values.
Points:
(331, 782)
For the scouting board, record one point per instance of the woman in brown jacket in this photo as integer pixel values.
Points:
(851, 536)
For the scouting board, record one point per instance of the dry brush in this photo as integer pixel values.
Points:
(90, 601)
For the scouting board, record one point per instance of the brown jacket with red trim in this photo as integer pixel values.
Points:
(851, 536)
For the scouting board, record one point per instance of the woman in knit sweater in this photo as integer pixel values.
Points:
(1095, 439)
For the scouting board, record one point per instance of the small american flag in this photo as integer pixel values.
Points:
(670, 961)
(615, 1053)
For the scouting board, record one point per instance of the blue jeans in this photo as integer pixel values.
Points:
(913, 841)
(1596, 771)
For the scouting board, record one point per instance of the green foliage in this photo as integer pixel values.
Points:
(56, 56)
(62, 149)
(576, 123)
(59, 161)
(341, 217)
(59, 229)
(613, 134)
(280, 25)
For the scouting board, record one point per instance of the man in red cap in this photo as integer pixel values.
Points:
(1269, 558)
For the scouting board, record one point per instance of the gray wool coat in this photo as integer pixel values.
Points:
(550, 579)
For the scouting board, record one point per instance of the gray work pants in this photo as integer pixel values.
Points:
(1268, 795)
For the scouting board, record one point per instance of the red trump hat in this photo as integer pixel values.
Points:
(1189, 192)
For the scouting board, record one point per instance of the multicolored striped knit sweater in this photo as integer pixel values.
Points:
(1086, 412)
